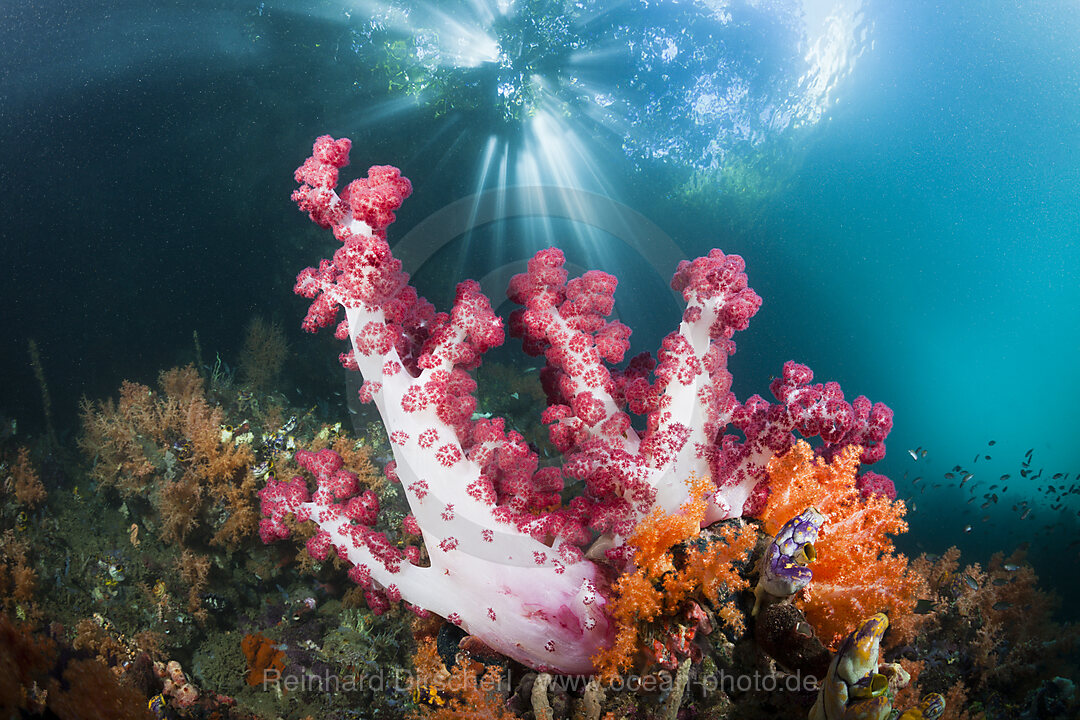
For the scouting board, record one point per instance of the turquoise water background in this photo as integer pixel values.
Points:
(915, 236)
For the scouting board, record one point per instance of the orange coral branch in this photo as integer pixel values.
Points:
(857, 572)
(461, 693)
(25, 482)
(659, 585)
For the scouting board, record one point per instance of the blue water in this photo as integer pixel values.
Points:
(909, 213)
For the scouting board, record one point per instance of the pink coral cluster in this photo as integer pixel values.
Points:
(506, 557)
(177, 685)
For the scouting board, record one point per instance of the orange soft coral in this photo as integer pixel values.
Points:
(18, 579)
(24, 482)
(857, 572)
(115, 434)
(658, 585)
(1004, 616)
(467, 691)
(168, 447)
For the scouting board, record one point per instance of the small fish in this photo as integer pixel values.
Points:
(922, 607)
(1057, 476)
(949, 476)
(986, 457)
(922, 454)
(985, 505)
(967, 528)
(514, 395)
(1002, 605)
(1011, 567)
(992, 443)
(1004, 477)
(1026, 513)
(970, 582)
(914, 455)
(968, 476)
